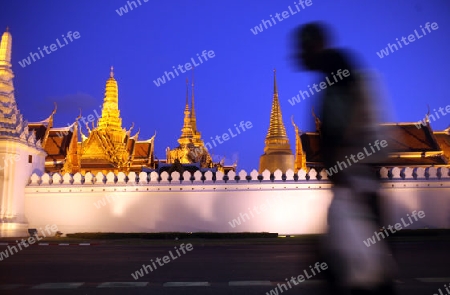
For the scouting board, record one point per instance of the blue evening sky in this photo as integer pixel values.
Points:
(237, 84)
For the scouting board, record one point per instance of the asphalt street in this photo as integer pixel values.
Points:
(208, 268)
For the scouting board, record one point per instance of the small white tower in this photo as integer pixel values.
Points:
(20, 154)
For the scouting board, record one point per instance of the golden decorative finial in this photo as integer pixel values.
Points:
(79, 116)
(54, 109)
(275, 86)
(187, 92)
(316, 120)
(111, 74)
(193, 116)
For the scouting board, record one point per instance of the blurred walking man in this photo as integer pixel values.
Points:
(348, 126)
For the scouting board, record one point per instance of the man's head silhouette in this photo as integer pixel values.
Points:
(310, 40)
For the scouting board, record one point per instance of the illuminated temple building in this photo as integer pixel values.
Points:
(108, 147)
(52, 175)
(191, 153)
(410, 145)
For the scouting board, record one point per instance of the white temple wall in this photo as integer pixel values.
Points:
(284, 207)
(15, 170)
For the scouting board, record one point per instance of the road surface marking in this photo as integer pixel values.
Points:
(9, 287)
(186, 284)
(58, 286)
(122, 284)
(433, 280)
(249, 283)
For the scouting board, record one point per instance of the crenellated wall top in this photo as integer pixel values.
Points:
(385, 174)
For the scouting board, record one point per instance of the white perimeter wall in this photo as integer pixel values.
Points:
(284, 207)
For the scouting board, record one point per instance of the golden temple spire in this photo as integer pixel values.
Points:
(187, 93)
(277, 131)
(110, 111)
(193, 116)
(186, 131)
(5, 50)
(277, 150)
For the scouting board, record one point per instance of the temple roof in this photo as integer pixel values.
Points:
(57, 144)
(143, 149)
(406, 137)
(408, 145)
(39, 129)
(443, 139)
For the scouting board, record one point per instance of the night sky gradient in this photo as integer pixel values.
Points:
(237, 84)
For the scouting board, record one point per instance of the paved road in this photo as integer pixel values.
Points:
(210, 268)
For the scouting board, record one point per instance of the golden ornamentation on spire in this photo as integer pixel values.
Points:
(300, 156)
(193, 116)
(277, 132)
(277, 150)
(186, 131)
(107, 143)
(316, 120)
(192, 148)
(110, 112)
(5, 50)
(196, 134)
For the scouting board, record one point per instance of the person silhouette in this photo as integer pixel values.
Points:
(348, 126)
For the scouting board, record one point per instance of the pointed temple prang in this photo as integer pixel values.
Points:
(277, 131)
(277, 150)
(110, 110)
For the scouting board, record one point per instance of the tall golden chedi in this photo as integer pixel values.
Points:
(20, 152)
(108, 147)
(277, 150)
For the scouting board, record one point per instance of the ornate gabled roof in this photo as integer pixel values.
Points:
(407, 137)
(57, 143)
(408, 145)
(443, 139)
(40, 130)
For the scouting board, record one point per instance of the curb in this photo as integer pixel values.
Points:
(53, 244)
